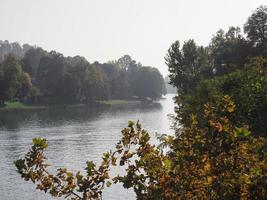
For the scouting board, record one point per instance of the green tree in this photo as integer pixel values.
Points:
(248, 88)
(126, 62)
(256, 28)
(10, 78)
(186, 65)
(148, 82)
(117, 80)
(25, 86)
(228, 66)
(228, 51)
(50, 72)
(31, 60)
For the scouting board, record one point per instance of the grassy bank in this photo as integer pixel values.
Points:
(18, 106)
(117, 102)
(21, 107)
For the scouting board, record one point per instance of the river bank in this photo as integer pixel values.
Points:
(11, 107)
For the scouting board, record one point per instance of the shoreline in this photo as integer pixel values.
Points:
(20, 107)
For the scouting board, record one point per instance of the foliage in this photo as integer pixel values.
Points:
(148, 82)
(256, 28)
(187, 64)
(128, 78)
(64, 182)
(219, 161)
(217, 153)
(14, 48)
(231, 65)
(14, 83)
(247, 87)
(70, 80)
(25, 85)
(31, 60)
(49, 73)
(223, 50)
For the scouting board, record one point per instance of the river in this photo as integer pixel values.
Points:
(74, 136)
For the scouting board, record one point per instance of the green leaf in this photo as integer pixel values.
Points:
(256, 170)
(241, 132)
(20, 165)
(130, 123)
(90, 167)
(108, 183)
(79, 176)
(106, 156)
(168, 164)
(40, 142)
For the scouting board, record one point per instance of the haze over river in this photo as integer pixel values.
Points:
(74, 136)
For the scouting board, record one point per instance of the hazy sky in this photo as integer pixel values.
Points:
(107, 29)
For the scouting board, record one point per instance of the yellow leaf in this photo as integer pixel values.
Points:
(207, 167)
(209, 179)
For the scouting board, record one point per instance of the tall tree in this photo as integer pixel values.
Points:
(148, 83)
(25, 86)
(256, 28)
(50, 71)
(228, 50)
(10, 78)
(186, 65)
(126, 62)
(31, 60)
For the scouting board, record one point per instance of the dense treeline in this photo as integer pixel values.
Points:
(50, 78)
(233, 64)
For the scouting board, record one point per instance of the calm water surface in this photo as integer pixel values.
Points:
(74, 137)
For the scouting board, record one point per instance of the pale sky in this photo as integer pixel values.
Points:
(105, 30)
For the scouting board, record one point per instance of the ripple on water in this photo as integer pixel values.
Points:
(74, 137)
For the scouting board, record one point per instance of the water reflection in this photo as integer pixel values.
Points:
(61, 116)
(75, 136)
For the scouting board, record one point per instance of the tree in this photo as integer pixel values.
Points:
(31, 60)
(93, 84)
(256, 28)
(25, 86)
(126, 62)
(50, 72)
(207, 74)
(186, 65)
(247, 87)
(10, 79)
(16, 49)
(148, 82)
(228, 51)
(117, 79)
(12, 48)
